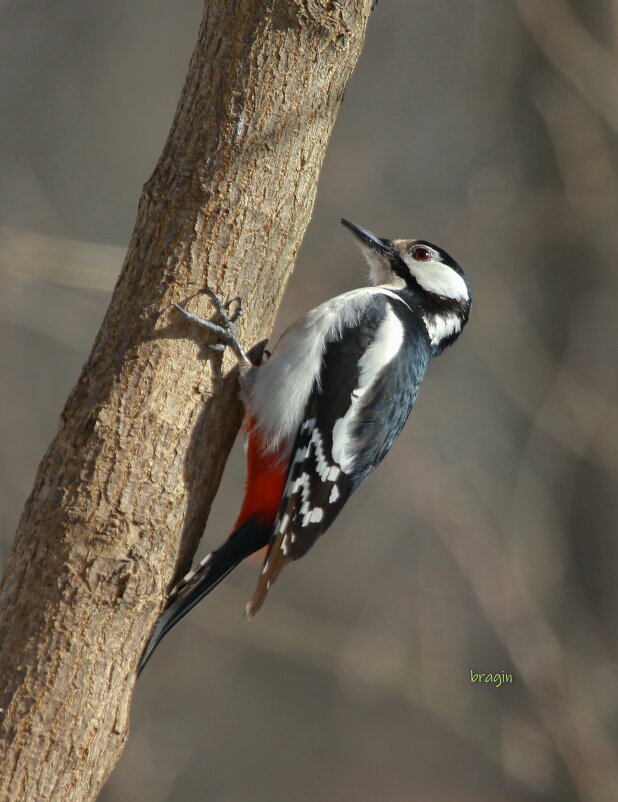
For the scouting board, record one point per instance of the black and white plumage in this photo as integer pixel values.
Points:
(354, 366)
(327, 406)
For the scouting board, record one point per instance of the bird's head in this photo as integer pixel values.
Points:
(428, 272)
(415, 263)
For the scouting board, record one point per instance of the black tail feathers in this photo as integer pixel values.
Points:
(247, 539)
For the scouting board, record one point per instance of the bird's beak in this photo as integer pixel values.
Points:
(383, 247)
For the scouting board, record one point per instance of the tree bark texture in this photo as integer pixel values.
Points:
(122, 495)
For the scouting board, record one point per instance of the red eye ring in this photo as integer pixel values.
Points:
(421, 254)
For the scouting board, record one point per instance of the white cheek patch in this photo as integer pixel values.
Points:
(437, 278)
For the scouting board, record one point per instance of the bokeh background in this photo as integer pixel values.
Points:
(487, 540)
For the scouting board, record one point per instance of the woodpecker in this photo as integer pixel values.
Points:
(324, 410)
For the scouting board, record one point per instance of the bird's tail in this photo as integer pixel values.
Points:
(248, 538)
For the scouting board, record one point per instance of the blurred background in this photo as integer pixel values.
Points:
(487, 540)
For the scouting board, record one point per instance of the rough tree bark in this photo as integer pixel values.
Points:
(122, 494)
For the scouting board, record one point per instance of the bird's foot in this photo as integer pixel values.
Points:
(224, 325)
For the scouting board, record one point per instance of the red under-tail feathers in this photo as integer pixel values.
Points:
(265, 480)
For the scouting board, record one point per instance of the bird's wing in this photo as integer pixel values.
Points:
(368, 381)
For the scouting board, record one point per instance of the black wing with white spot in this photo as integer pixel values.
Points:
(367, 385)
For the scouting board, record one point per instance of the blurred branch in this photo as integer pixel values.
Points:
(538, 518)
(581, 147)
(575, 53)
(361, 658)
(582, 417)
(74, 263)
(557, 690)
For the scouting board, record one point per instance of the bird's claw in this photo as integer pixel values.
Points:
(233, 316)
(224, 327)
(222, 309)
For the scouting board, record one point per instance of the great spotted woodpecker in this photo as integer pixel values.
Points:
(325, 409)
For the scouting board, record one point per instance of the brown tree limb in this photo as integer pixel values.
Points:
(145, 433)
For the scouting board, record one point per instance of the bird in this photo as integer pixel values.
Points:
(324, 409)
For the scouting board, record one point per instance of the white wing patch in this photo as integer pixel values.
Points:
(326, 471)
(297, 494)
(277, 392)
(386, 345)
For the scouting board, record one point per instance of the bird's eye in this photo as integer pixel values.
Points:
(420, 254)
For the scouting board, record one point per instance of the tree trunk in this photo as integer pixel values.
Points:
(122, 495)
